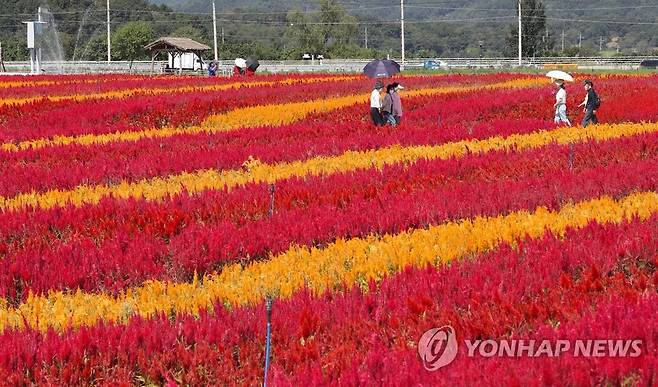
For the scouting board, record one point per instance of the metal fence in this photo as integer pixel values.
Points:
(87, 67)
(331, 65)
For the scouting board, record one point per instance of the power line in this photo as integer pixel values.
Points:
(624, 22)
(603, 8)
(379, 7)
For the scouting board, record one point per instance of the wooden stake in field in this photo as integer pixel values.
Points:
(271, 210)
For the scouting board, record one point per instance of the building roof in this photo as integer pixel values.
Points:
(169, 43)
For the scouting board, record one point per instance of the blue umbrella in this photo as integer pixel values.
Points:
(381, 68)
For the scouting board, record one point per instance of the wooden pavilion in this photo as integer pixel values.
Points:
(176, 47)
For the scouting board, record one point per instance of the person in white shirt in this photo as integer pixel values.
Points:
(376, 104)
(561, 104)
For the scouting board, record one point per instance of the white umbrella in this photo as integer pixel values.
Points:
(240, 62)
(557, 74)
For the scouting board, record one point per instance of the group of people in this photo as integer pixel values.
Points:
(388, 110)
(243, 71)
(213, 67)
(590, 104)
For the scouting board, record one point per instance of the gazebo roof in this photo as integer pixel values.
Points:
(176, 44)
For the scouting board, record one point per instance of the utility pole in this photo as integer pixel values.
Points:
(214, 28)
(2, 62)
(520, 35)
(109, 41)
(580, 40)
(600, 43)
(402, 29)
(563, 40)
(366, 34)
(222, 35)
(40, 18)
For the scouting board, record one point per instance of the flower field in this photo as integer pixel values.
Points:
(144, 221)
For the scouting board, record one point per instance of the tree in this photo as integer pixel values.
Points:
(189, 32)
(129, 41)
(337, 26)
(330, 32)
(94, 49)
(303, 34)
(534, 40)
(13, 48)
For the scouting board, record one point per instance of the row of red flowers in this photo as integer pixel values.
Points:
(598, 282)
(63, 168)
(484, 115)
(118, 244)
(46, 119)
(90, 84)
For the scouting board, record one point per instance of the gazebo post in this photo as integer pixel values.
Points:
(153, 56)
(180, 62)
(198, 55)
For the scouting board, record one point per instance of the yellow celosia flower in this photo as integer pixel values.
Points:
(277, 114)
(342, 262)
(161, 188)
(114, 94)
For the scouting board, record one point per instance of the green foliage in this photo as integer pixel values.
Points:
(455, 38)
(286, 29)
(576, 51)
(81, 24)
(94, 49)
(129, 41)
(13, 48)
(247, 50)
(534, 38)
(192, 33)
(326, 32)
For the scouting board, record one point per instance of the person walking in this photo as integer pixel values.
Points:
(376, 104)
(561, 104)
(387, 106)
(591, 104)
(397, 102)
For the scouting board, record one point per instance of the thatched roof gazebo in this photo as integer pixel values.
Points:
(175, 47)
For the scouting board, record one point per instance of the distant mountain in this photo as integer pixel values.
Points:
(223, 5)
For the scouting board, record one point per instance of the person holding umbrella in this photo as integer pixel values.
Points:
(376, 104)
(378, 69)
(252, 65)
(240, 66)
(560, 104)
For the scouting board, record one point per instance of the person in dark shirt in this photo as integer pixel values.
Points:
(591, 104)
(212, 69)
